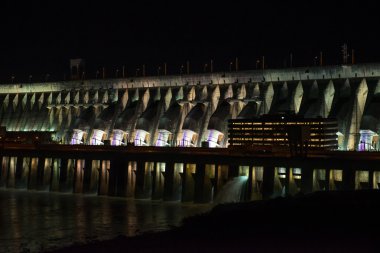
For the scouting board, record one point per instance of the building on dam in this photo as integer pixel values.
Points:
(193, 110)
(285, 130)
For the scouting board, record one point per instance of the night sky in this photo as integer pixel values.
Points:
(40, 37)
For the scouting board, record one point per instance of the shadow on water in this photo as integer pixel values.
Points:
(37, 221)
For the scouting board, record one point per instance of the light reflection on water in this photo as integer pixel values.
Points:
(37, 221)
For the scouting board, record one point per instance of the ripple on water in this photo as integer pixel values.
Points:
(37, 221)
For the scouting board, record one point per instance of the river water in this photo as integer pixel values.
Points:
(37, 221)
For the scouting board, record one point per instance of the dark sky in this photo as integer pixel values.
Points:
(39, 37)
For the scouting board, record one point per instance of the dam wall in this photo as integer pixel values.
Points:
(193, 110)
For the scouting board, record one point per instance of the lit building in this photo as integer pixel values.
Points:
(284, 131)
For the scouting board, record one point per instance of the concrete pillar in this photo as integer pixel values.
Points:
(203, 186)
(256, 182)
(55, 173)
(117, 183)
(103, 177)
(268, 182)
(143, 189)
(33, 174)
(307, 179)
(79, 175)
(90, 177)
(131, 179)
(173, 184)
(39, 174)
(158, 179)
(220, 178)
(66, 175)
(376, 179)
(250, 183)
(281, 181)
(3, 170)
(233, 171)
(348, 179)
(22, 172)
(294, 182)
(188, 182)
(319, 180)
(87, 175)
(11, 174)
(371, 180)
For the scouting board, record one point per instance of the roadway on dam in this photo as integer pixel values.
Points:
(230, 156)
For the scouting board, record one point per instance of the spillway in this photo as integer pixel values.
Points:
(193, 110)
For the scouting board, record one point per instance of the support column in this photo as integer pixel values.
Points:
(220, 178)
(348, 179)
(158, 180)
(268, 182)
(90, 176)
(250, 183)
(4, 170)
(233, 171)
(203, 186)
(143, 188)
(188, 182)
(11, 173)
(371, 180)
(79, 175)
(33, 174)
(168, 192)
(64, 183)
(54, 178)
(257, 181)
(307, 179)
(117, 184)
(172, 185)
(131, 179)
(103, 177)
(22, 171)
(40, 173)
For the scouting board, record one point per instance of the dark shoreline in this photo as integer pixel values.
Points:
(344, 221)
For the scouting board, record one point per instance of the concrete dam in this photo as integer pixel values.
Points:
(193, 110)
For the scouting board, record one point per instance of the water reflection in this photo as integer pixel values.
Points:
(37, 221)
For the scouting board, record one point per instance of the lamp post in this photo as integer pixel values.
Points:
(231, 66)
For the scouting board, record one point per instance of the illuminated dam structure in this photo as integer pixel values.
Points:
(193, 110)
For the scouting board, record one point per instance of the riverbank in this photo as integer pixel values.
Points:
(318, 222)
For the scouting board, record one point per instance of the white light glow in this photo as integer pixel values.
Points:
(77, 137)
(163, 136)
(97, 137)
(140, 137)
(118, 136)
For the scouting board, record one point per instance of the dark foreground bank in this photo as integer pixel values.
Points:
(318, 222)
